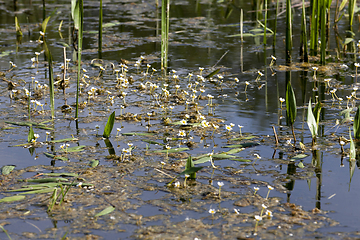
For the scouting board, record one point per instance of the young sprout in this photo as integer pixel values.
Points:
(220, 184)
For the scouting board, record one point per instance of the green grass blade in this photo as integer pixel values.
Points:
(109, 125)
(105, 211)
(12, 199)
(290, 104)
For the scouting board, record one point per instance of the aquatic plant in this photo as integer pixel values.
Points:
(165, 16)
(291, 109)
(109, 125)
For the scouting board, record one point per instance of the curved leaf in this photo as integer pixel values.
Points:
(290, 104)
(105, 211)
(109, 125)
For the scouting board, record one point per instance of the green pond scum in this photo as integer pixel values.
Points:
(160, 120)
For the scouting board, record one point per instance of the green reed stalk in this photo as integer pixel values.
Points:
(351, 12)
(265, 22)
(165, 15)
(51, 78)
(241, 25)
(275, 26)
(100, 28)
(304, 48)
(314, 27)
(80, 37)
(323, 31)
(288, 47)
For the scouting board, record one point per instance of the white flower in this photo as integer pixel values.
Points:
(182, 133)
(183, 122)
(263, 206)
(270, 187)
(256, 188)
(282, 100)
(220, 184)
(268, 213)
(212, 211)
(236, 211)
(258, 218)
(177, 184)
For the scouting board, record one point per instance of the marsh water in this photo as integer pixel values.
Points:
(317, 198)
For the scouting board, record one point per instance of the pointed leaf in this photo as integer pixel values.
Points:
(5, 170)
(12, 198)
(109, 125)
(290, 104)
(105, 211)
(352, 148)
(190, 164)
(311, 122)
(31, 134)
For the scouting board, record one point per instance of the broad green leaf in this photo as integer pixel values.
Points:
(46, 180)
(109, 125)
(94, 163)
(202, 160)
(56, 157)
(61, 174)
(300, 165)
(153, 142)
(342, 5)
(12, 198)
(44, 24)
(75, 12)
(242, 138)
(243, 145)
(352, 148)
(190, 164)
(31, 135)
(235, 150)
(213, 73)
(299, 156)
(356, 126)
(137, 134)
(45, 190)
(76, 149)
(17, 27)
(347, 41)
(64, 140)
(241, 160)
(5, 53)
(311, 122)
(172, 150)
(223, 156)
(5, 170)
(188, 171)
(290, 104)
(105, 211)
(111, 24)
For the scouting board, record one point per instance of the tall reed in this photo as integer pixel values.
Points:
(51, 78)
(303, 41)
(314, 26)
(323, 6)
(265, 22)
(100, 29)
(165, 15)
(288, 47)
(351, 12)
(80, 37)
(275, 24)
